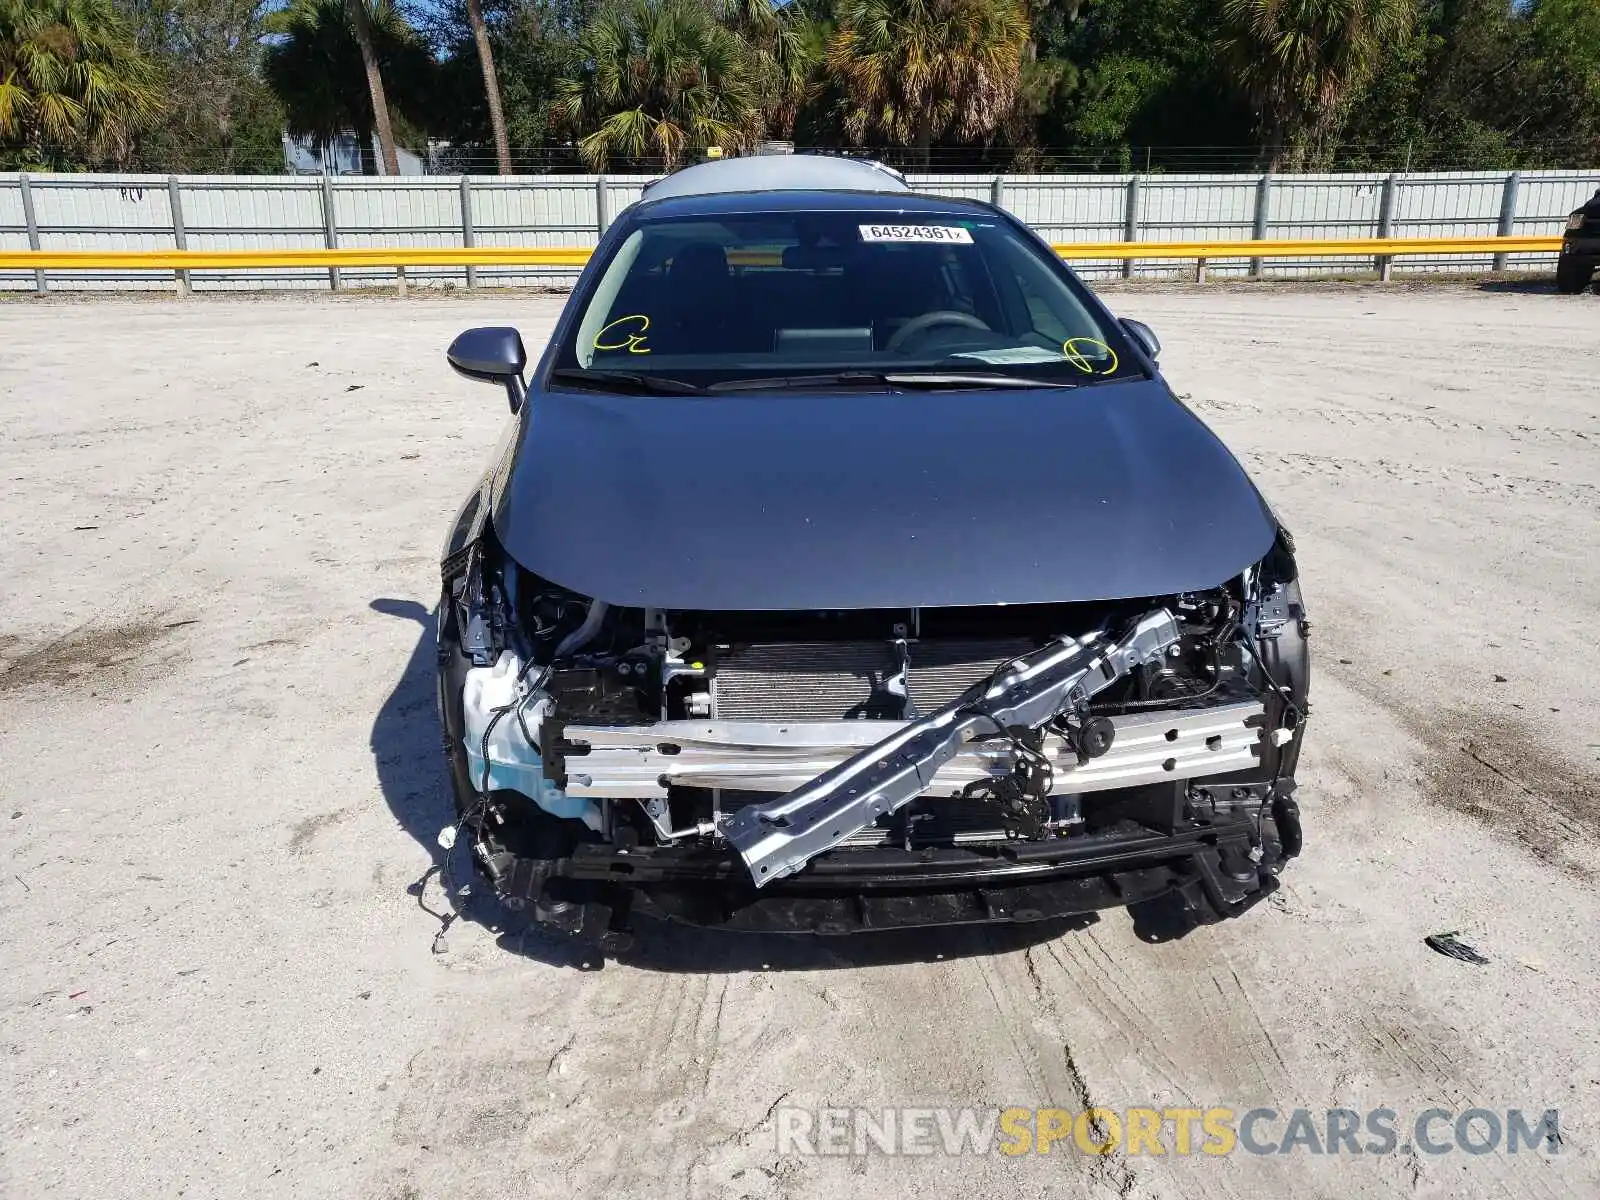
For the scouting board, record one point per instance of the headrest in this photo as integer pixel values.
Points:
(699, 261)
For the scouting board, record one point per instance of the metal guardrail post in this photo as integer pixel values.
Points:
(997, 192)
(1262, 217)
(399, 272)
(400, 275)
(1391, 186)
(1508, 213)
(602, 205)
(180, 239)
(40, 284)
(1130, 223)
(330, 228)
(468, 236)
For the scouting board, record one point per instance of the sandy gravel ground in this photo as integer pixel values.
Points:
(221, 777)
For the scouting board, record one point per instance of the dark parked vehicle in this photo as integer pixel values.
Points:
(848, 565)
(1580, 248)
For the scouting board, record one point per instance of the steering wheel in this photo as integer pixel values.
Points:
(942, 316)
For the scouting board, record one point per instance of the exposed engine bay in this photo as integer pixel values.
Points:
(714, 760)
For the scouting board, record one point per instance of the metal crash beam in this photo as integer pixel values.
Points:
(640, 762)
(778, 838)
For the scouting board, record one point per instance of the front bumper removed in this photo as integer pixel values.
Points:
(1218, 870)
(872, 824)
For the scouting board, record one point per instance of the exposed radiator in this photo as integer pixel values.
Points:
(826, 681)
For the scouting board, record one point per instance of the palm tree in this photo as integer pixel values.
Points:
(914, 70)
(782, 55)
(324, 75)
(1300, 62)
(74, 87)
(361, 20)
(659, 79)
(491, 85)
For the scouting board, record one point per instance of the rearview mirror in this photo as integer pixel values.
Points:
(1144, 335)
(493, 354)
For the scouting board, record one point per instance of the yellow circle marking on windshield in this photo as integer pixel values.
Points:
(632, 342)
(1080, 360)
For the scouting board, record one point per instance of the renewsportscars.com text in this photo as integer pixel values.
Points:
(1161, 1131)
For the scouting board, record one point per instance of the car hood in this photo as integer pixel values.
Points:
(802, 500)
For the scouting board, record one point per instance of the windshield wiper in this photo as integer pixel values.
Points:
(626, 381)
(762, 383)
(908, 379)
(980, 379)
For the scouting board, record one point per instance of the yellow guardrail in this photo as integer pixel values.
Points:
(1346, 247)
(384, 256)
(576, 256)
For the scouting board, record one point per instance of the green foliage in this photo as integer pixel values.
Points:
(533, 43)
(221, 115)
(816, 122)
(783, 56)
(661, 79)
(75, 89)
(1561, 72)
(1300, 62)
(1147, 75)
(211, 85)
(1478, 85)
(914, 70)
(1116, 94)
(314, 66)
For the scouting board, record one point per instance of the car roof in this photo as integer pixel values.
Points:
(717, 204)
(778, 172)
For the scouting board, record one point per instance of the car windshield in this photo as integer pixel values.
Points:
(790, 297)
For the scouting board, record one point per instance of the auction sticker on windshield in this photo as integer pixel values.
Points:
(916, 233)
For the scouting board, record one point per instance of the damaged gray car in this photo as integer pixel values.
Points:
(847, 566)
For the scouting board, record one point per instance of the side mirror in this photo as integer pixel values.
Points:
(493, 354)
(1144, 335)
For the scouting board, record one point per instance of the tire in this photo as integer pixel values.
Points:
(1573, 275)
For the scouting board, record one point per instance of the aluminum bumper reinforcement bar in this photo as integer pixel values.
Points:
(779, 837)
(642, 762)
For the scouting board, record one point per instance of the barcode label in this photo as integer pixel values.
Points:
(916, 233)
